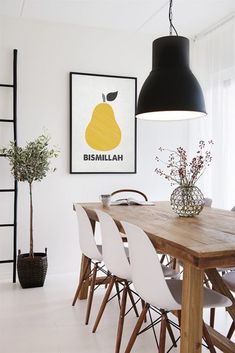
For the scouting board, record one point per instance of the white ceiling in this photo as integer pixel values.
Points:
(190, 17)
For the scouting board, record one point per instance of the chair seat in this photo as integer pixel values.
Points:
(169, 272)
(229, 279)
(225, 269)
(212, 299)
(99, 246)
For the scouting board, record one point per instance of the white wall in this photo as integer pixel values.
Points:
(47, 53)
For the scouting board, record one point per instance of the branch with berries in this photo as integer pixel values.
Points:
(180, 170)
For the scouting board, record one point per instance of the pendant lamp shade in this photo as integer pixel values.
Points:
(171, 91)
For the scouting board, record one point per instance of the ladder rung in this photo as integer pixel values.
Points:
(7, 225)
(6, 120)
(5, 85)
(7, 190)
(6, 261)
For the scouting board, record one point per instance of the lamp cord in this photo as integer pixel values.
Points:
(172, 27)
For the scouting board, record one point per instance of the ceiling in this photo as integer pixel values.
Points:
(190, 17)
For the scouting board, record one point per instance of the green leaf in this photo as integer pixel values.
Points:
(31, 163)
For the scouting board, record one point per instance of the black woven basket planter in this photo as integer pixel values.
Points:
(32, 270)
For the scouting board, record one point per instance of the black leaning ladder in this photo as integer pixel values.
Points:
(13, 121)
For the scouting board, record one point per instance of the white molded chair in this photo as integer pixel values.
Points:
(116, 261)
(92, 251)
(161, 293)
(207, 202)
(115, 257)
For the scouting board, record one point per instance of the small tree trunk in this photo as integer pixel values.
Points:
(31, 254)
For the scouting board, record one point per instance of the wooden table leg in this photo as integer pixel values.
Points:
(84, 290)
(191, 315)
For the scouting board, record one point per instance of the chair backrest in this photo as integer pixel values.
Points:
(113, 251)
(147, 274)
(207, 201)
(86, 236)
(130, 191)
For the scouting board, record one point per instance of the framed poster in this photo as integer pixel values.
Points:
(102, 123)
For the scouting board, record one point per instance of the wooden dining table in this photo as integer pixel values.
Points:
(202, 243)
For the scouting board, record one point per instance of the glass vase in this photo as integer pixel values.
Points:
(187, 201)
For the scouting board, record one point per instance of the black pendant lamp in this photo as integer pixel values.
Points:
(171, 91)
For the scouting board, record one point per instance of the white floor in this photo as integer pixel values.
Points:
(42, 320)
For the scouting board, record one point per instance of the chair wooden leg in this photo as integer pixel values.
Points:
(108, 275)
(84, 275)
(104, 303)
(171, 334)
(212, 317)
(143, 304)
(231, 330)
(162, 339)
(91, 293)
(207, 282)
(137, 328)
(118, 293)
(174, 264)
(179, 317)
(208, 339)
(132, 300)
(121, 319)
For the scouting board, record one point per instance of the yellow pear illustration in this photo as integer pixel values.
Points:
(102, 132)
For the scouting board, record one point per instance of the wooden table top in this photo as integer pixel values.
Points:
(206, 241)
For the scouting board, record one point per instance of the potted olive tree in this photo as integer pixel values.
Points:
(31, 163)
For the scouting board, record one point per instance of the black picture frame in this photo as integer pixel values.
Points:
(102, 124)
